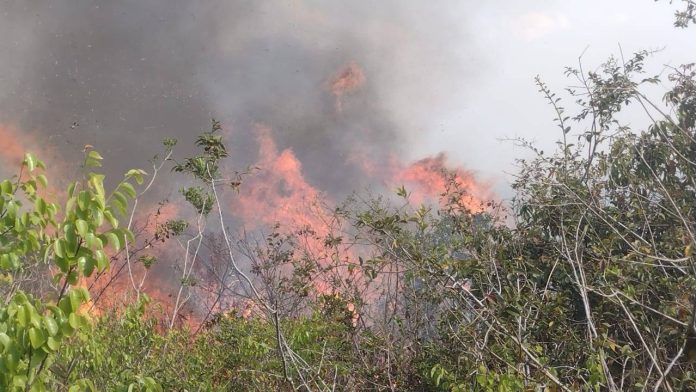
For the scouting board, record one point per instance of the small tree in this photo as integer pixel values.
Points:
(72, 242)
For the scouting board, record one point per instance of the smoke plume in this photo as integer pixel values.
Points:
(325, 97)
(329, 79)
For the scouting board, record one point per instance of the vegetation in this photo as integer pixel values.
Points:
(584, 282)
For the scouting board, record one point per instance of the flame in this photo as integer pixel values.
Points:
(347, 81)
(116, 282)
(12, 147)
(163, 213)
(279, 193)
(15, 143)
(427, 180)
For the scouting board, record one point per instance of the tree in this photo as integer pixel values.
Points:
(72, 242)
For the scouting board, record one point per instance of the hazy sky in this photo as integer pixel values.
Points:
(515, 40)
(450, 75)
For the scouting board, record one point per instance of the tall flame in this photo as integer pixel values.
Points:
(279, 193)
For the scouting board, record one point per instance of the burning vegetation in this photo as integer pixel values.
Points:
(195, 275)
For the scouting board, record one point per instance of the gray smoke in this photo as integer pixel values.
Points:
(122, 75)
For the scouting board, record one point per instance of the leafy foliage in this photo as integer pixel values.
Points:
(584, 282)
(72, 242)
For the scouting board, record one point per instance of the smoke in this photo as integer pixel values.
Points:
(324, 97)
(123, 75)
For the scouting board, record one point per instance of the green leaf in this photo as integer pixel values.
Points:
(30, 161)
(111, 219)
(83, 199)
(42, 180)
(70, 204)
(62, 263)
(71, 189)
(53, 343)
(93, 159)
(19, 381)
(40, 206)
(5, 341)
(86, 265)
(97, 215)
(137, 174)
(84, 294)
(97, 183)
(128, 234)
(70, 238)
(73, 277)
(66, 328)
(59, 248)
(128, 189)
(36, 337)
(6, 187)
(74, 321)
(93, 242)
(113, 240)
(34, 316)
(101, 259)
(120, 202)
(82, 228)
(151, 384)
(94, 155)
(75, 298)
(51, 325)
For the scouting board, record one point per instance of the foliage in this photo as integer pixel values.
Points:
(584, 282)
(72, 242)
(231, 354)
(685, 16)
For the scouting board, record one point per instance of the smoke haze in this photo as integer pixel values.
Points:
(123, 75)
(326, 97)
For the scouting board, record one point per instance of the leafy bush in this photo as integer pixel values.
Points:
(584, 282)
(71, 242)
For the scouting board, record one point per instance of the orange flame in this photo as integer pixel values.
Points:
(12, 148)
(116, 283)
(15, 143)
(427, 180)
(348, 80)
(279, 193)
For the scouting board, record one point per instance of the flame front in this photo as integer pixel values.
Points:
(280, 193)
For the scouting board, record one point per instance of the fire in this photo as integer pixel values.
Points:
(348, 80)
(279, 193)
(427, 180)
(15, 143)
(12, 148)
(114, 287)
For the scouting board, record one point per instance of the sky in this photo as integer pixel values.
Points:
(514, 41)
(447, 76)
